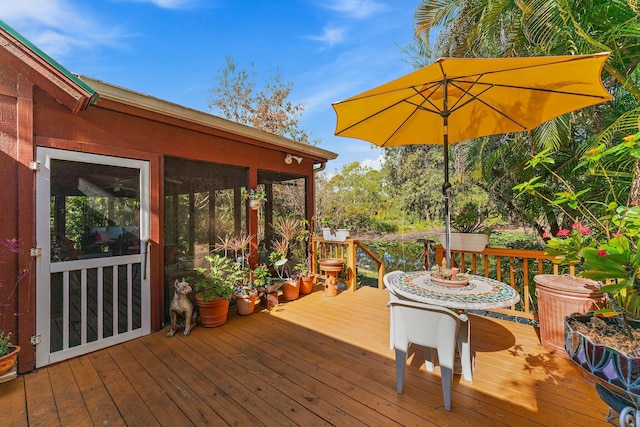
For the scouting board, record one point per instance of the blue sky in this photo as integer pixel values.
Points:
(172, 49)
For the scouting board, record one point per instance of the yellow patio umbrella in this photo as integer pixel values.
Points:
(455, 99)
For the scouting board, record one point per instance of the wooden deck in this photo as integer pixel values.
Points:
(314, 361)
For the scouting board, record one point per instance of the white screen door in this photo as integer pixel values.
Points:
(92, 280)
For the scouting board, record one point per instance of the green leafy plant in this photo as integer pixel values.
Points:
(470, 218)
(254, 194)
(220, 278)
(5, 343)
(607, 249)
(261, 275)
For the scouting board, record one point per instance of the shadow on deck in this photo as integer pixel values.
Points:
(314, 361)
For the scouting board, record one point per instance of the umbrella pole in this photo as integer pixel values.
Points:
(446, 191)
(446, 187)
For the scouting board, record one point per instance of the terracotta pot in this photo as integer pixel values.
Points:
(330, 287)
(212, 313)
(246, 305)
(306, 285)
(8, 360)
(291, 290)
(558, 297)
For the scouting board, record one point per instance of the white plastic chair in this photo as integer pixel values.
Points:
(431, 327)
(388, 283)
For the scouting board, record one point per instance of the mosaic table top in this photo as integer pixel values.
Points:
(481, 292)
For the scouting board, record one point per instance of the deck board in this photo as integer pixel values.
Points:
(313, 361)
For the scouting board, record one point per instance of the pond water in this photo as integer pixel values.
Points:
(397, 255)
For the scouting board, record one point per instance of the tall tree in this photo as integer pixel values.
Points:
(544, 27)
(236, 98)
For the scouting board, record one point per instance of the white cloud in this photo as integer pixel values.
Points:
(358, 9)
(167, 4)
(374, 163)
(331, 35)
(58, 27)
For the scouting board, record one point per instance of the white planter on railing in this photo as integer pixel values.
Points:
(466, 242)
(340, 235)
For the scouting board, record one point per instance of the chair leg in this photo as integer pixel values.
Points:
(401, 365)
(428, 357)
(464, 348)
(447, 378)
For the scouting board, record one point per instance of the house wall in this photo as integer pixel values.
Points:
(30, 117)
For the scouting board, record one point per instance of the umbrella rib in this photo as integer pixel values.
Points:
(406, 99)
(522, 67)
(535, 89)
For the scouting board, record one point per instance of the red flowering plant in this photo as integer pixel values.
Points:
(7, 247)
(567, 245)
(607, 249)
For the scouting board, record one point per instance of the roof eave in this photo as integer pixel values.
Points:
(134, 99)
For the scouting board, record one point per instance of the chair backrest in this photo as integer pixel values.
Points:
(423, 324)
(388, 283)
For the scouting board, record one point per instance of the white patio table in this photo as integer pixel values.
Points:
(481, 293)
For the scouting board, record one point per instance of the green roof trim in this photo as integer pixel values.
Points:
(47, 58)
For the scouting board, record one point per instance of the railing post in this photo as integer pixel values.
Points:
(351, 265)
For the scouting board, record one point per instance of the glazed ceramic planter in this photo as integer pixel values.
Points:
(255, 204)
(212, 313)
(466, 242)
(617, 372)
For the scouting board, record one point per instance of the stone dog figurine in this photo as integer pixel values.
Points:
(181, 307)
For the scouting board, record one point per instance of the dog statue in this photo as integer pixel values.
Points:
(181, 307)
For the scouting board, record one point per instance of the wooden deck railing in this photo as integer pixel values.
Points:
(516, 267)
(345, 250)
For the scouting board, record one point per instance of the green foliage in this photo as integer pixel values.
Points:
(355, 198)
(5, 343)
(262, 275)
(220, 278)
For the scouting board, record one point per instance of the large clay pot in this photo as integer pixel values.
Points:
(306, 285)
(291, 290)
(8, 360)
(558, 297)
(246, 305)
(212, 313)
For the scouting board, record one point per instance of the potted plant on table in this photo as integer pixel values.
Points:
(472, 235)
